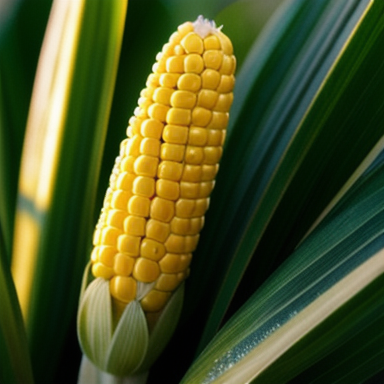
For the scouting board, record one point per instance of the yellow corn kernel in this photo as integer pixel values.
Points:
(161, 181)
(201, 116)
(116, 217)
(150, 147)
(228, 65)
(123, 264)
(195, 190)
(96, 240)
(170, 170)
(152, 249)
(124, 181)
(167, 189)
(143, 102)
(183, 29)
(175, 134)
(162, 95)
(106, 254)
(226, 44)
(152, 128)
(144, 186)
(145, 270)
(226, 84)
(94, 254)
(189, 82)
(179, 50)
(129, 244)
(162, 209)
(178, 116)
(207, 98)
(127, 164)
(134, 225)
(146, 166)
(173, 263)
(133, 146)
(157, 230)
(192, 173)
(197, 136)
(210, 79)
(215, 137)
(211, 42)
(183, 99)
(154, 300)
(187, 208)
(120, 199)
(100, 270)
(167, 282)
(135, 124)
(208, 172)
(139, 206)
(191, 226)
(123, 288)
(168, 49)
(219, 120)
(192, 43)
(159, 67)
(194, 155)
(169, 80)
(212, 155)
(109, 235)
(213, 59)
(224, 102)
(175, 64)
(193, 63)
(158, 111)
(172, 152)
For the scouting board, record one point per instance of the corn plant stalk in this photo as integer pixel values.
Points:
(60, 164)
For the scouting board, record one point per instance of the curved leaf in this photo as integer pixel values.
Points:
(312, 138)
(13, 338)
(309, 299)
(59, 172)
(129, 344)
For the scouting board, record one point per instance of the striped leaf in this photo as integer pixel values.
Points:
(59, 171)
(327, 296)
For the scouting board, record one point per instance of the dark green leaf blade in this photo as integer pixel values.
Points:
(14, 352)
(324, 150)
(333, 273)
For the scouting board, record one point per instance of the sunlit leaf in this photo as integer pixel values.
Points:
(328, 291)
(61, 159)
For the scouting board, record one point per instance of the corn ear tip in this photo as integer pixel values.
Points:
(203, 27)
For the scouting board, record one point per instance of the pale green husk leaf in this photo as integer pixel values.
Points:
(89, 373)
(129, 343)
(164, 328)
(94, 323)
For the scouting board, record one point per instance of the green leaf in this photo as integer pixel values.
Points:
(60, 165)
(94, 323)
(21, 33)
(328, 291)
(164, 327)
(305, 137)
(13, 339)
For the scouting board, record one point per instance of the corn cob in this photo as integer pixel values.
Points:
(160, 185)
